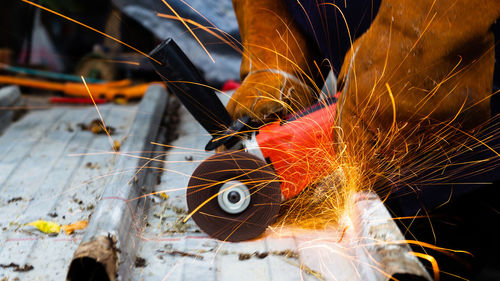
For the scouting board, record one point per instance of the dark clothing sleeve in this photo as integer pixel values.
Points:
(323, 23)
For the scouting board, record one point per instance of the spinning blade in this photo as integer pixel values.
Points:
(218, 171)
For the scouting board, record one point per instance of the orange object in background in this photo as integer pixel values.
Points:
(122, 89)
(5, 55)
(76, 100)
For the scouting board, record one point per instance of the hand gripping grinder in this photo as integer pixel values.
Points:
(235, 195)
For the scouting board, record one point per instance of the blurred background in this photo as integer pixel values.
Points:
(41, 40)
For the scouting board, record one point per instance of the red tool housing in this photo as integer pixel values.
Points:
(300, 148)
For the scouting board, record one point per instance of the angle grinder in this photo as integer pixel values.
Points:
(235, 195)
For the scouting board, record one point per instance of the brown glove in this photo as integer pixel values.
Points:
(274, 69)
(437, 57)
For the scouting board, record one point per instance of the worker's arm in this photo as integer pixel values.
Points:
(418, 80)
(275, 70)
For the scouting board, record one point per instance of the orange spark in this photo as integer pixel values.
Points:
(432, 260)
(99, 113)
(189, 29)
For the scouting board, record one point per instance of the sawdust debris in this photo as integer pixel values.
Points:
(180, 253)
(261, 255)
(116, 145)
(70, 228)
(46, 226)
(96, 126)
(15, 199)
(17, 268)
(140, 262)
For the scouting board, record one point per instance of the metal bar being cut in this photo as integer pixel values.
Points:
(107, 250)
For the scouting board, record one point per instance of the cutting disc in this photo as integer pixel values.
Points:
(208, 183)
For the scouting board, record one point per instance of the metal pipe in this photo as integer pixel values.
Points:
(107, 249)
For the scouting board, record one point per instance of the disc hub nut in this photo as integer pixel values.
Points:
(233, 197)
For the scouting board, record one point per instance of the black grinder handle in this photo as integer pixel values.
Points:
(186, 82)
